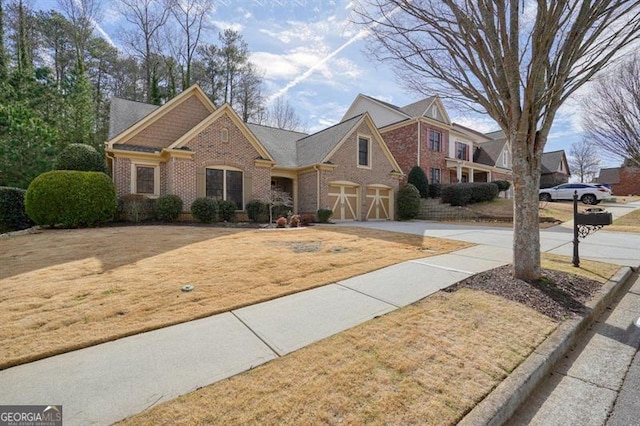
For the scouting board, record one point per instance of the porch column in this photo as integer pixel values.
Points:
(295, 195)
(470, 174)
(489, 177)
(459, 172)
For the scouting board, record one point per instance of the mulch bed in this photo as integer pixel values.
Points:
(559, 295)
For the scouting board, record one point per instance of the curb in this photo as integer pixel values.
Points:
(498, 407)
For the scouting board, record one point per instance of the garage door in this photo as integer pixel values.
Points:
(378, 203)
(343, 200)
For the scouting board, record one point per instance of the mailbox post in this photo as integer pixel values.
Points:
(585, 224)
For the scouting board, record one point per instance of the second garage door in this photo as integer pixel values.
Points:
(379, 202)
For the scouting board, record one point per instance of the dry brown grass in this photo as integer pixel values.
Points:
(501, 209)
(61, 290)
(626, 200)
(597, 271)
(627, 223)
(428, 363)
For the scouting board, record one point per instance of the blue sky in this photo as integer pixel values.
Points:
(312, 55)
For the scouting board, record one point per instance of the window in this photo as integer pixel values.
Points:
(505, 158)
(224, 184)
(435, 175)
(435, 140)
(462, 151)
(363, 152)
(145, 178)
(224, 135)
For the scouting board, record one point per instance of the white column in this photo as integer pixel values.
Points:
(459, 172)
(470, 174)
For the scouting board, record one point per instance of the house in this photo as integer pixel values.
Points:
(422, 134)
(190, 148)
(624, 180)
(555, 169)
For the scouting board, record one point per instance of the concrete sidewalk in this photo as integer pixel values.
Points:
(108, 382)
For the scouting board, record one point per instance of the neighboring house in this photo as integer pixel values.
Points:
(555, 169)
(422, 134)
(190, 148)
(624, 180)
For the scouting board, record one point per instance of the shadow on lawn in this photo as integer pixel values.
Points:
(111, 246)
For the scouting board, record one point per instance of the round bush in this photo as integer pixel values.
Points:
(408, 202)
(78, 156)
(71, 199)
(435, 190)
(168, 207)
(13, 216)
(503, 185)
(227, 210)
(257, 211)
(457, 194)
(204, 209)
(418, 179)
(324, 215)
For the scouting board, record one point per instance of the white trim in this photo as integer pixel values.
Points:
(156, 176)
(368, 166)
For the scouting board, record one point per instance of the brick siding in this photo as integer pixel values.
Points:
(629, 182)
(122, 175)
(307, 192)
(435, 159)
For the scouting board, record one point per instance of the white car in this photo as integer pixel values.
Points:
(587, 193)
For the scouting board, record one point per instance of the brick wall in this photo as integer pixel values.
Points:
(307, 188)
(172, 125)
(435, 159)
(403, 144)
(346, 160)
(122, 175)
(183, 181)
(629, 182)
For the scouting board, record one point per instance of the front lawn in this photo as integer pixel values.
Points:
(627, 223)
(62, 290)
(501, 209)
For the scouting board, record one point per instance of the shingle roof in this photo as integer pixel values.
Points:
(313, 149)
(124, 113)
(280, 143)
(489, 152)
(610, 175)
(417, 109)
(498, 134)
(551, 161)
(136, 148)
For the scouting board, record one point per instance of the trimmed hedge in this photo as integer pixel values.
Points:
(71, 199)
(418, 178)
(257, 211)
(324, 215)
(78, 156)
(435, 190)
(408, 202)
(204, 209)
(136, 208)
(461, 194)
(227, 210)
(13, 216)
(168, 207)
(503, 185)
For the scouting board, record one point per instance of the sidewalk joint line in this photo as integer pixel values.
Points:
(591, 383)
(256, 334)
(444, 267)
(368, 295)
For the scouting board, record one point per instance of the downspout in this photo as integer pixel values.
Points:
(317, 187)
(419, 137)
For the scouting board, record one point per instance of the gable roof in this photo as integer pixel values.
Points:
(315, 148)
(551, 161)
(280, 143)
(418, 109)
(124, 113)
(489, 152)
(610, 175)
(160, 112)
(497, 134)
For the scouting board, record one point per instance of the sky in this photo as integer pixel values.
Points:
(313, 56)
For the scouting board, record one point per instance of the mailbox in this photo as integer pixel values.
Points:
(594, 216)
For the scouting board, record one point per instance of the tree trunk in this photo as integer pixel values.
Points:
(526, 227)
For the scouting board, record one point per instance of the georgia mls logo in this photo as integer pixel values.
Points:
(30, 415)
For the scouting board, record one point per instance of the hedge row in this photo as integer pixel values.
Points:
(13, 216)
(461, 194)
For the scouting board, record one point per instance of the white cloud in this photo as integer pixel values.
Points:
(226, 25)
(275, 66)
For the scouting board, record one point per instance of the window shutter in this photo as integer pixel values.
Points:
(200, 182)
(248, 188)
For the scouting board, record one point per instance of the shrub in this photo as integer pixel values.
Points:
(168, 207)
(456, 194)
(257, 211)
(13, 216)
(418, 179)
(71, 199)
(136, 208)
(280, 210)
(294, 222)
(482, 191)
(435, 190)
(281, 222)
(78, 156)
(227, 210)
(408, 202)
(307, 218)
(324, 215)
(204, 209)
(503, 185)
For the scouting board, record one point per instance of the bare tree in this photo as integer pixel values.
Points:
(249, 99)
(283, 116)
(584, 160)
(190, 16)
(274, 198)
(82, 15)
(611, 115)
(516, 60)
(146, 17)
